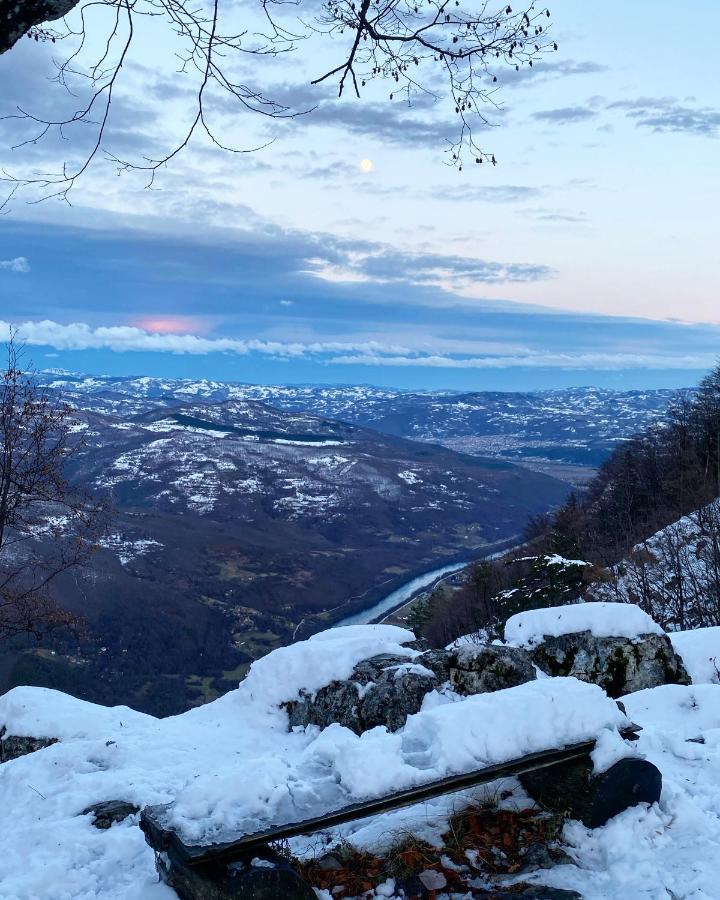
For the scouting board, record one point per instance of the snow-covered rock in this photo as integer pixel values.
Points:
(614, 645)
(385, 690)
(602, 620)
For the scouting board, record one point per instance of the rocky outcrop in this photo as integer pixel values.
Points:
(385, 690)
(12, 746)
(618, 665)
(483, 668)
(109, 812)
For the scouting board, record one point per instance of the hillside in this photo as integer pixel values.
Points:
(674, 574)
(576, 427)
(238, 526)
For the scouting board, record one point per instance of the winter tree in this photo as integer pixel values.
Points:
(47, 527)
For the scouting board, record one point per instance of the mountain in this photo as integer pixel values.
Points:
(238, 526)
(563, 432)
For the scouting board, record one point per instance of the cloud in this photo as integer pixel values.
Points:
(534, 360)
(79, 336)
(122, 338)
(547, 71)
(556, 215)
(499, 193)
(387, 265)
(19, 264)
(565, 115)
(668, 114)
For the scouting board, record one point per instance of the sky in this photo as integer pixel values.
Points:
(348, 251)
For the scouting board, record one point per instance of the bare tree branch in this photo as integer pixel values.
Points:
(438, 48)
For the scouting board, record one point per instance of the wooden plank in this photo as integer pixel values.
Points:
(166, 839)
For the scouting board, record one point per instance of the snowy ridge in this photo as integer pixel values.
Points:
(577, 425)
(233, 764)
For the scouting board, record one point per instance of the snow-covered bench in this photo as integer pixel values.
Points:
(626, 783)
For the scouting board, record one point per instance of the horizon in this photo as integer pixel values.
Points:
(349, 252)
(136, 375)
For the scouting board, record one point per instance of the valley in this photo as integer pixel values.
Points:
(246, 517)
(239, 526)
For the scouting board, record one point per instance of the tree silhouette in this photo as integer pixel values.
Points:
(449, 51)
(47, 527)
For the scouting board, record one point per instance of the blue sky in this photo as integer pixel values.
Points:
(587, 256)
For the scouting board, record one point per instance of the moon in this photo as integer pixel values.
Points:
(366, 165)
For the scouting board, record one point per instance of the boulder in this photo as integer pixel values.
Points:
(12, 746)
(573, 790)
(385, 690)
(619, 665)
(108, 812)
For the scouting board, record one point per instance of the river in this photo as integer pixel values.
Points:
(399, 596)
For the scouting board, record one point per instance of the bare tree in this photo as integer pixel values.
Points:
(451, 51)
(47, 527)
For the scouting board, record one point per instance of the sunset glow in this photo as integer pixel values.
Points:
(169, 324)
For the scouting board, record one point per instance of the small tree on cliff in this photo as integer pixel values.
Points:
(47, 528)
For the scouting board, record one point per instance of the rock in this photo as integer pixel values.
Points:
(540, 856)
(12, 746)
(536, 856)
(385, 690)
(573, 790)
(483, 668)
(329, 862)
(619, 665)
(266, 878)
(110, 811)
(432, 880)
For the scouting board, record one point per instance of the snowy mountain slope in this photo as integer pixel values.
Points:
(576, 425)
(239, 525)
(674, 574)
(233, 762)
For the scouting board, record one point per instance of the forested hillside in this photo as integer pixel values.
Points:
(646, 530)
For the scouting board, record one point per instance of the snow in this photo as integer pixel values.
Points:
(671, 849)
(700, 652)
(557, 560)
(409, 477)
(624, 620)
(609, 749)
(233, 764)
(43, 712)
